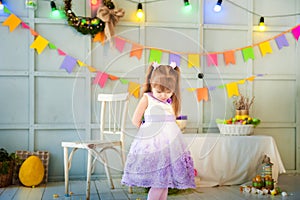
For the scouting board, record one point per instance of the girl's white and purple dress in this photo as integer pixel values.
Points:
(158, 156)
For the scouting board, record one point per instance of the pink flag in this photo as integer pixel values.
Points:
(296, 32)
(101, 79)
(212, 59)
(120, 43)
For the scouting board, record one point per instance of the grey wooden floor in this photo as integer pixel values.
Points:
(100, 190)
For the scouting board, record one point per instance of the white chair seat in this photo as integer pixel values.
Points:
(112, 121)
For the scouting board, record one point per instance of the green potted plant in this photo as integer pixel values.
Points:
(6, 167)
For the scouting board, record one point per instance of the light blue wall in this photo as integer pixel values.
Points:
(42, 105)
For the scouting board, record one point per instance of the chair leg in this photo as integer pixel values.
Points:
(88, 177)
(107, 170)
(66, 169)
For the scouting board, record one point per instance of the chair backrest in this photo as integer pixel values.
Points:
(113, 113)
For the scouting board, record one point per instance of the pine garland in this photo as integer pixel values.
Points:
(86, 25)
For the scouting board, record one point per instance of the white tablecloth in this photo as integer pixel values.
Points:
(231, 160)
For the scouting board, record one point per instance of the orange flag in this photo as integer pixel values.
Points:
(232, 89)
(33, 32)
(12, 22)
(39, 44)
(112, 77)
(251, 78)
(229, 57)
(202, 94)
(99, 37)
(134, 89)
(136, 50)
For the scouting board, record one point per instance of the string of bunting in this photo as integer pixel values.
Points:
(69, 62)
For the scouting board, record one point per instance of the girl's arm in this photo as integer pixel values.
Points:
(139, 111)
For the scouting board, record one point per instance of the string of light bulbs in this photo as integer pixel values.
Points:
(261, 24)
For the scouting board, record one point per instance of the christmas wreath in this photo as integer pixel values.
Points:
(106, 19)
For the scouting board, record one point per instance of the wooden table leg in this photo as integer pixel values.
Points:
(66, 169)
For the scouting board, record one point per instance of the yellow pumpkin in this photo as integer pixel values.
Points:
(31, 171)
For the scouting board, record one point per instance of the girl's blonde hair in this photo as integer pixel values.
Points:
(166, 79)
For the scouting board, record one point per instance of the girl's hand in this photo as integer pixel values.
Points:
(139, 111)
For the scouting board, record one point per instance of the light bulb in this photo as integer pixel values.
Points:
(55, 13)
(139, 12)
(218, 7)
(187, 5)
(1, 5)
(94, 2)
(262, 26)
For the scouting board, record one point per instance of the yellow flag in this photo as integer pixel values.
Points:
(232, 89)
(91, 69)
(39, 44)
(12, 22)
(265, 47)
(134, 89)
(193, 60)
(81, 64)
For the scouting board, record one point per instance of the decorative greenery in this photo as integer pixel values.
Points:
(6, 159)
(86, 25)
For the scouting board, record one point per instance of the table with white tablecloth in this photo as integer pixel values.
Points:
(231, 160)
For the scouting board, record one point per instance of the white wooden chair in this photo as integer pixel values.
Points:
(112, 121)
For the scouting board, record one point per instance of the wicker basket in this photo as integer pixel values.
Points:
(6, 179)
(233, 129)
(23, 155)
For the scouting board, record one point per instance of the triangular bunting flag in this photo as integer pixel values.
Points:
(91, 69)
(212, 59)
(281, 41)
(174, 58)
(12, 21)
(33, 32)
(232, 89)
(101, 79)
(191, 89)
(6, 10)
(51, 46)
(136, 50)
(124, 81)
(68, 64)
(193, 60)
(24, 25)
(155, 55)
(248, 53)
(211, 88)
(60, 52)
(241, 81)
(265, 47)
(119, 43)
(39, 44)
(251, 78)
(81, 64)
(296, 32)
(134, 89)
(113, 78)
(202, 94)
(229, 57)
(221, 86)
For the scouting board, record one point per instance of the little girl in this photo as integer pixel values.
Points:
(158, 158)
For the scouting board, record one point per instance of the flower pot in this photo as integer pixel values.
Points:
(244, 112)
(6, 178)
